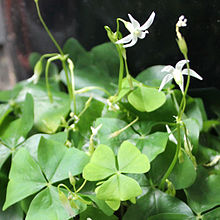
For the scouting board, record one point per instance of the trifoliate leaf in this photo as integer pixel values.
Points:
(131, 160)
(101, 165)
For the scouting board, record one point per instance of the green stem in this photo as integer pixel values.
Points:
(170, 169)
(128, 75)
(183, 102)
(89, 88)
(121, 70)
(116, 133)
(46, 28)
(67, 78)
(47, 77)
(83, 184)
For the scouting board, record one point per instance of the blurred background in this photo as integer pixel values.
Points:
(22, 33)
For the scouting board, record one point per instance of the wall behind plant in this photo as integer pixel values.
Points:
(84, 20)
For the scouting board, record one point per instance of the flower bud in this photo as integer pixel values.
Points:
(37, 70)
(182, 45)
(72, 179)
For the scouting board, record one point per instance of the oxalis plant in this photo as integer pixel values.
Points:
(89, 141)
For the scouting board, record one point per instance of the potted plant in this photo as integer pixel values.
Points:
(89, 141)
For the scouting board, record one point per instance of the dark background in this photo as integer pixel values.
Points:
(85, 20)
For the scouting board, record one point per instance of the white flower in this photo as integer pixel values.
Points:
(177, 74)
(181, 22)
(136, 31)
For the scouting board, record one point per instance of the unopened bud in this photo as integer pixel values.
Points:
(72, 179)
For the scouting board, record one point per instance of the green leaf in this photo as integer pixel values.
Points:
(105, 57)
(101, 205)
(25, 178)
(152, 76)
(183, 174)
(13, 213)
(47, 205)
(131, 160)
(204, 193)
(101, 165)
(56, 160)
(126, 88)
(75, 51)
(118, 187)
(113, 204)
(17, 130)
(152, 145)
(171, 216)
(194, 130)
(213, 214)
(33, 58)
(47, 115)
(109, 126)
(5, 109)
(4, 154)
(95, 214)
(31, 144)
(149, 119)
(89, 116)
(146, 99)
(156, 202)
(196, 110)
(8, 95)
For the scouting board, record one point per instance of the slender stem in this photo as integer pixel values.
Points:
(89, 88)
(46, 28)
(67, 78)
(170, 169)
(47, 77)
(128, 75)
(87, 104)
(116, 133)
(121, 70)
(83, 184)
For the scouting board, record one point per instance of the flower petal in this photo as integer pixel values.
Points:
(134, 22)
(165, 80)
(125, 40)
(133, 42)
(168, 68)
(148, 23)
(192, 73)
(171, 136)
(180, 64)
(181, 85)
(142, 34)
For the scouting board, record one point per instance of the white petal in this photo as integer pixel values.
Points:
(134, 22)
(125, 39)
(181, 85)
(168, 68)
(148, 23)
(133, 42)
(142, 34)
(130, 27)
(171, 136)
(180, 64)
(165, 80)
(192, 73)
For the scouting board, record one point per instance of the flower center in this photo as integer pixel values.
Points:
(137, 33)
